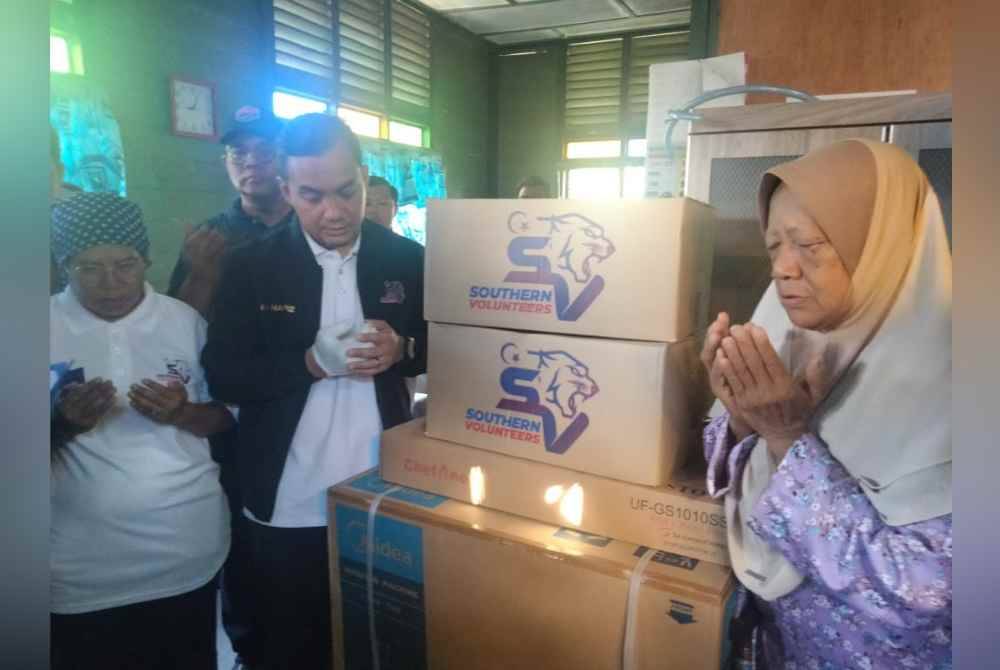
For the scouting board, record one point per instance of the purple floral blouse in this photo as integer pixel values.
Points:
(875, 596)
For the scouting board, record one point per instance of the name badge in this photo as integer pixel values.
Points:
(289, 309)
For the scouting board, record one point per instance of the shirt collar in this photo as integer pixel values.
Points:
(319, 251)
(81, 320)
(240, 218)
(236, 211)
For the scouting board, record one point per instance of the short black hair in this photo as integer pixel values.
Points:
(379, 181)
(314, 135)
(532, 181)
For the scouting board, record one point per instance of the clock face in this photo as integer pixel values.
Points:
(193, 110)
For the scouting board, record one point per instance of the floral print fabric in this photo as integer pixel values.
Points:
(875, 596)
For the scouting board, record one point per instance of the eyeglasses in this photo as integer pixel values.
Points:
(124, 271)
(240, 157)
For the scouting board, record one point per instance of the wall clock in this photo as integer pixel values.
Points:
(192, 108)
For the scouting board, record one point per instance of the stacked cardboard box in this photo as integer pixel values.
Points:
(564, 394)
(606, 377)
(680, 517)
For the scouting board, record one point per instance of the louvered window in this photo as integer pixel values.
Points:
(303, 36)
(411, 55)
(607, 98)
(593, 87)
(362, 52)
(645, 51)
(372, 56)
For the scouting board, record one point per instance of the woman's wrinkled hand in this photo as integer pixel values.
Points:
(159, 403)
(765, 395)
(710, 356)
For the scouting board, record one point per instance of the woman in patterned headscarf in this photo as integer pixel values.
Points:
(832, 440)
(91, 228)
(139, 523)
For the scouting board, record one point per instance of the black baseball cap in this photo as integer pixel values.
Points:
(250, 120)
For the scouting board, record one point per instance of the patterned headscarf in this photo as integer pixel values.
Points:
(88, 220)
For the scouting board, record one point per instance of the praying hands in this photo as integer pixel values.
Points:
(756, 388)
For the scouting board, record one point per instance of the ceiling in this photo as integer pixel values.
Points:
(507, 22)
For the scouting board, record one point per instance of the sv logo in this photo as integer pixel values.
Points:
(562, 252)
(552, 385)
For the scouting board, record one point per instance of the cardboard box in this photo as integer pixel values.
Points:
(629, 269)
(459, 587)
(679, 517)
(615, 408)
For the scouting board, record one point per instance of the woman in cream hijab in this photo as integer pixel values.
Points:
(831, 441)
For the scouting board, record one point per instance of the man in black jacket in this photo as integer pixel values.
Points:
(258, 210)
(315, 329)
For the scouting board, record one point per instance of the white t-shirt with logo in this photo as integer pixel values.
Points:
(137, 509)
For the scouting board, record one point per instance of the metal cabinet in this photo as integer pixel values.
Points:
(930, 146)
(730, 149)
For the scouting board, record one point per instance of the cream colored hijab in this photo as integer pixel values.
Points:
(887, 417)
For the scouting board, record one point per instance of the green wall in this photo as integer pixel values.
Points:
(131, 47)
(529, 117)
(461, 114)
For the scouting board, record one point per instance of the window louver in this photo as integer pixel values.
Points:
(303, 36)
(645, 51)
(362, 51)
(593, 84)
(411, 55)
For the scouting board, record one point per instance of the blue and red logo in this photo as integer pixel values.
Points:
(559, 255)
(551, 387)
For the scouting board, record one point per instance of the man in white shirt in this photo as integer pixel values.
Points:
(314, 331)
(139, 523)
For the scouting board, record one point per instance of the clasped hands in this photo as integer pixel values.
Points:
(344, 349)
(748, 377)
(83, 405)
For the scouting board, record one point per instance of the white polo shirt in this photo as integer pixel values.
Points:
(338, 433)
(137, 510)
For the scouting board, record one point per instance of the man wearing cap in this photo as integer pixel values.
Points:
(139, 522)
(315, 329)
(259, 209)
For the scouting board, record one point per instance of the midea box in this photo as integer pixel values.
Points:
(458, 587)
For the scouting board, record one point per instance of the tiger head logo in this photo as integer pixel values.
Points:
(576, 244)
